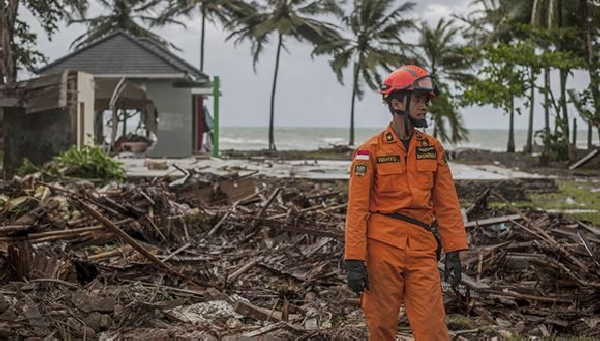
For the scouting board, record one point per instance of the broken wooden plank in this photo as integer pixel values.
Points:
(259, 313)
(585, 159)
(242, 269)
(493, 221)
(176, 252)
(265, 329)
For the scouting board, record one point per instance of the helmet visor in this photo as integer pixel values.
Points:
(423, 84)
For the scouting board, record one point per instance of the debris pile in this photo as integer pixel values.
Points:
(208, 257)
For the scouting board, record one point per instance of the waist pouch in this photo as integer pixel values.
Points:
(412, 221)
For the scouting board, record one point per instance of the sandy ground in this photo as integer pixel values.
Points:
(301, 169)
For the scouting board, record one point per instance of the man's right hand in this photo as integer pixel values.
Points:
(358, 279)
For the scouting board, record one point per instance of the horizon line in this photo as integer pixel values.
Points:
(381, 127)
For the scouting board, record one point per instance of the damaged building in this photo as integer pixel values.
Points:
(135, 76)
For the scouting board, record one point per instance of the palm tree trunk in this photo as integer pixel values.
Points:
(8, 70)
(563, 103)
(589, 136)
(272, 105)
(529, 145)
(202, 36)
(510, 147)
(547, 100)
(575, 132)
(124, 133)
(354, 89)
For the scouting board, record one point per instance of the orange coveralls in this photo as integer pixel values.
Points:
(400, 257)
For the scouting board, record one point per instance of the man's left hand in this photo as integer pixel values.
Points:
(453, 268)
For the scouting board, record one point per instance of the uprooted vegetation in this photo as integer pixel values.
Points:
(86, 162)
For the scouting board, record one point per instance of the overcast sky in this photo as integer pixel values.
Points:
(308, 92)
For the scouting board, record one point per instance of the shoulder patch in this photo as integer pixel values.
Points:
(360, 169)
(389, 137)
(426, 153)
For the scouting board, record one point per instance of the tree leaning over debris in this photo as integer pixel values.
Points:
(223, 11)
(298, 19)
(126, 16)
(375, 43)
(444, 58)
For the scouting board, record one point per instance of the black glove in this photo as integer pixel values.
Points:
(452, 268)
(358, 279)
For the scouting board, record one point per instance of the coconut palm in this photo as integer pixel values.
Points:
(124, 15)
(375, 43)
(223, 11)
(441, 54)
(300, 20)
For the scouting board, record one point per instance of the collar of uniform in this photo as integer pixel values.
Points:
(389, 136)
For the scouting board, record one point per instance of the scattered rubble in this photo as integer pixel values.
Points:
(237, 257)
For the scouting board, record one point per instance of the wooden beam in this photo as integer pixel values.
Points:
(493, 221)
(585, 160)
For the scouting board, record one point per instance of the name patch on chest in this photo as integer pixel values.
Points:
(426, 153)
(388, 159)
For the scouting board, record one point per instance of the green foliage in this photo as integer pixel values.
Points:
(89, 162)
(125, 15)
(500, 79)
(444, 111)
(444, 57)
(298, 19)
(23, 43)
(27, 167)
(374, 44)
(556, 145)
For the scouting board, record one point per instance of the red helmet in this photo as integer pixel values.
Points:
(408, 78)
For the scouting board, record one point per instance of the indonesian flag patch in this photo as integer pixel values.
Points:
(362, 155)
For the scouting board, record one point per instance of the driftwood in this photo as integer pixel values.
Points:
(493, 221)
(590, 156)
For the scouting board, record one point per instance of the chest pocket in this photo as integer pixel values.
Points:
(389, 177)
(425, 172)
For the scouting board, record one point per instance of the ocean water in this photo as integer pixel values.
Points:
(314, 138)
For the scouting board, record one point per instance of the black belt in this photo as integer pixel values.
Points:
(430, 228)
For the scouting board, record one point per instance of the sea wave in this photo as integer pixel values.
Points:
(238, 140)
(334, 140)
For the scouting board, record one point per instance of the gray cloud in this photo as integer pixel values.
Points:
(308, 92)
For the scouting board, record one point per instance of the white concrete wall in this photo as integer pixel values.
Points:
(174, 106)
(85, 108)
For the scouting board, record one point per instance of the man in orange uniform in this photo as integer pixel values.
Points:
(399, 183)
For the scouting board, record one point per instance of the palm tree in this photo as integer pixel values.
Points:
(124, 15)
(223, 11)
(296, 19)
(375, 43)
(442, 55)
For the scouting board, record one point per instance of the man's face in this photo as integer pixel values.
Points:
(418, 106)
